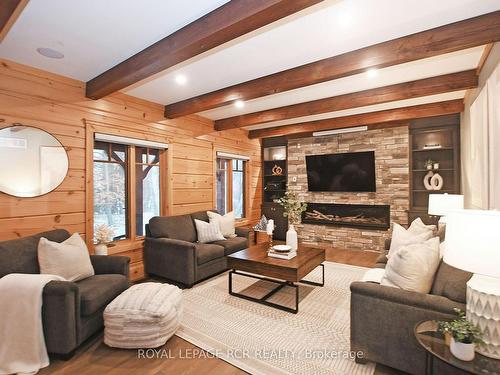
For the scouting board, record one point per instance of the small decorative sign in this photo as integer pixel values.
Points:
(277, 170)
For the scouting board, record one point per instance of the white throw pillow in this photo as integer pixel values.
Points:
(413, 267)
(418, 226)
(69, 259)
(225, 223)
(402, 237)
(208, 232)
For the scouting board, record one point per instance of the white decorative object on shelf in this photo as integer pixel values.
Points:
(427, 180)
(464, 352)
(472, 239)
(433, 181)
(437, 181)
(291, 237)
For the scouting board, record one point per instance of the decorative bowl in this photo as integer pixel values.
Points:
(282, 248)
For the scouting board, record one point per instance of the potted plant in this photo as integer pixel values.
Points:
(103, 236)
(464, 336)
(429, 164)
(293, 209)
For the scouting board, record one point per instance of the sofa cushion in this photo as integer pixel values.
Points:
(200, 215)
(450, 282)
(179, 227)
(20, 255)
(205, 252)
(413, 267)
(232, 245)
(69, 259)
(99, 290)
(208, 232)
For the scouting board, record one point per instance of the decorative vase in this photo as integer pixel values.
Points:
(464, 352)
(101, 249)
(436, 166)
(291, 237)
(437, 181)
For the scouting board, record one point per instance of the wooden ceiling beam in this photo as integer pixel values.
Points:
(407, 90)
(456, 36)
(9, 12)
(230, 21)
(390, 115)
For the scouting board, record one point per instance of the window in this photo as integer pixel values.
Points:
(110, 187)
(115, 166)
(147, 186)
(231, 186)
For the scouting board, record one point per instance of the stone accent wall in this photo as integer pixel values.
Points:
(391, 146)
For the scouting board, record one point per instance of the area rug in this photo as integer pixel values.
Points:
(264, 340)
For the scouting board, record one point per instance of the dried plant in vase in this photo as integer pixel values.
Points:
(103, 236)
(293, 209)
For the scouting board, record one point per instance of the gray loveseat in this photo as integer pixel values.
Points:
(71, 311)
(171, 249)
(383, 318)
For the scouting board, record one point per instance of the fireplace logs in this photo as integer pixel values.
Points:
(355, 215)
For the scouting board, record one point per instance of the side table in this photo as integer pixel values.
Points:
(433, 342)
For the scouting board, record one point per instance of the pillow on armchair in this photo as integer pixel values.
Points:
(413, 267)
(415, 234)
(69, 259)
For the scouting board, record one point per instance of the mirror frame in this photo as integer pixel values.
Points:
(17, 124)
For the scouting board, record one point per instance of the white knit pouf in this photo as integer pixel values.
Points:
(144, 316)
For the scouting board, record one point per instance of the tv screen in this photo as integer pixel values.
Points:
(353, 171)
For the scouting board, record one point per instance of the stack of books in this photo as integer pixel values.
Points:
(281, 255)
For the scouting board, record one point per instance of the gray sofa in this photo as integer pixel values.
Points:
(383, 318)
(171, 249)
(71, 311)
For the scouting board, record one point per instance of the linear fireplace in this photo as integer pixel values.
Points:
(351, 215)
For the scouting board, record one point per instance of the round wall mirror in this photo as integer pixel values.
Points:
(33, 162)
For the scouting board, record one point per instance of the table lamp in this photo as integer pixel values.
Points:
(442, 204)
(473, 245)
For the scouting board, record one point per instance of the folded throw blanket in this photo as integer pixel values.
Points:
(22, 344)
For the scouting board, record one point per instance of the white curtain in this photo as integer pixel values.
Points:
(484, 176)
(493, 87)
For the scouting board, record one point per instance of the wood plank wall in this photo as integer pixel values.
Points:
(58, 105)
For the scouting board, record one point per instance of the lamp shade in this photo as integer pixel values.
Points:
(441, 204)
(473, 241)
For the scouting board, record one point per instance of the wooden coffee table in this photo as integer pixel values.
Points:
(254, 263)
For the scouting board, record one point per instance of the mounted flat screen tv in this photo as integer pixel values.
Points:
(349, 172)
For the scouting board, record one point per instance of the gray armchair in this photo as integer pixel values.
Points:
(383, 319)
(71, 311)
(171, 250)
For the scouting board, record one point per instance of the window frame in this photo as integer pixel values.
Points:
(229, 187)
(133, 240)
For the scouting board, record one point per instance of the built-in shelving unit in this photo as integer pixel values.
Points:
(443, 131)
(275, 175)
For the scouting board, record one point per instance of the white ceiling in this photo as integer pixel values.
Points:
(314, 36)
(95, 35)
(366, 109)
(431, 67)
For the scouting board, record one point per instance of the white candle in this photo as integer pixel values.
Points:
(270, 227)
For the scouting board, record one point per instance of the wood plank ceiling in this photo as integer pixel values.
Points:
(423, 73)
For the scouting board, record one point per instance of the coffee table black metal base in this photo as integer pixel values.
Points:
(264, 300)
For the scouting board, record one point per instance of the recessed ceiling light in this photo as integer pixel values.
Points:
(372, 73)
(181, 79)
(50, 53)
(239, 103)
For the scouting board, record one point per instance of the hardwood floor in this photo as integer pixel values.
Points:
(177, 356)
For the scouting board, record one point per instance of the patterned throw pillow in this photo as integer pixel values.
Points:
(208, 232)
